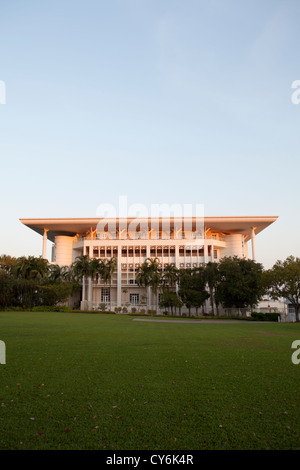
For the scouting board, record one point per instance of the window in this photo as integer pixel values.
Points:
(134, 299)
(105, 294)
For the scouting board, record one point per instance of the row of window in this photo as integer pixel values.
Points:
(155, 251)
(166, 235)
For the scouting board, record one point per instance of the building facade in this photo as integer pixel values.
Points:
(185, 242)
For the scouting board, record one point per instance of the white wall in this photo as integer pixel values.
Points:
(234, 246)
(63, 250)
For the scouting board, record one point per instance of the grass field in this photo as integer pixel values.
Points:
(88, 381)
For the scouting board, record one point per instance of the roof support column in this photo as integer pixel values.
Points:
(119, 277)
(253, 243)
(45, 243)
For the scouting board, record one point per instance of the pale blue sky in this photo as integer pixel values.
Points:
(163, 101)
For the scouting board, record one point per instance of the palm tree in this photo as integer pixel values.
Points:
(170, 275)
(149, 275)
(106, 269)
(29, 273)
(170, 278)
(30, 268)
(55, 272)
(143, 277)
(7, 263)
(82, 268)
(212, 277)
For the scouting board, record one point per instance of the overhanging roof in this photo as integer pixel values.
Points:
(73, 226)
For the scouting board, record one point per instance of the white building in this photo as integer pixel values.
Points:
(182, 241)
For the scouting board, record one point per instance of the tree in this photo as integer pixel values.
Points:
(240, 282)
(192, 290)
(212, 277)
(170, 300)
(28, 273)
(31, 268)
(6, 281)
(107, 268)
(7, 263)
(170, 275)
(54, 292)
(6, 289)
(283, 281)
(31, 281)
(169, 280)
(82, 267)
(149, 275)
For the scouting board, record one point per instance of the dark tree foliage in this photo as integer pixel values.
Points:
(240, 282)
(283, 281)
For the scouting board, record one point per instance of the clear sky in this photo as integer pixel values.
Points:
(163, 101)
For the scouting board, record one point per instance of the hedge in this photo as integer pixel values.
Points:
(259, 316)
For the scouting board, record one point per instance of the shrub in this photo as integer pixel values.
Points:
(133, 310)
(13, 309)
(259, 316)
(102, 306)
(51, 308)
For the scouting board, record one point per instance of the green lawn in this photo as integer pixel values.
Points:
(88, 381)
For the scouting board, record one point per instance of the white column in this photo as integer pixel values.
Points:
(253, 243)
(177, 264)
(45, 243)
(83, 279)
(205, 251)
(90, 282)
(90, 293)
(119, 277)
(148, 289)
